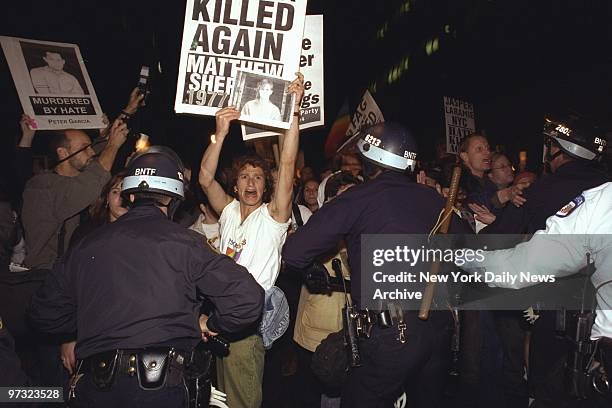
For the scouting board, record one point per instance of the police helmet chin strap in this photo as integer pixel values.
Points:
(550, 156)
(172, 207)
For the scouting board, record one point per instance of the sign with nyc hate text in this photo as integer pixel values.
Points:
(459, 121)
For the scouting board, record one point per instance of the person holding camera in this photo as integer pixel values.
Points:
(53, 201)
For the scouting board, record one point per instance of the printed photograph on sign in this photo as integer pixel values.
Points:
(53, 70)
(52, 83)
(312, 112)
(263, 99)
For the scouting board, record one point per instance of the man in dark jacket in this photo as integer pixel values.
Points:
(129, 291)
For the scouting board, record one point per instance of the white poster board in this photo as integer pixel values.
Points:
(367, 114)
(222, 36)
(53, 85)
(312, 112)
(459, 120)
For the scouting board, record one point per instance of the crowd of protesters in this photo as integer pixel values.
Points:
(504, 361)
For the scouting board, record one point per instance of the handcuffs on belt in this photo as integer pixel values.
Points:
(366, 319)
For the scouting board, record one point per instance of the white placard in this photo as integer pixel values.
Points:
(222, 36)
(53, 84)
(459, 120)
(367, 113)
(312, 112)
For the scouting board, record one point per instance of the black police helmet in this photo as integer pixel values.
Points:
(389, 145)
(575, 137)
(156, 170)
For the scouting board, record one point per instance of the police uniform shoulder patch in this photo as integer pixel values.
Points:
(570, 207)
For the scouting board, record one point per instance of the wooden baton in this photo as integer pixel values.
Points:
(446, 219)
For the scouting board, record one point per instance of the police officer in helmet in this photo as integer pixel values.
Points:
(129, 292)
(389, 203)
(572, 147)
(575, 138)
(579, 233)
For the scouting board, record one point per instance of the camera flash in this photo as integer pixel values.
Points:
(142, 143)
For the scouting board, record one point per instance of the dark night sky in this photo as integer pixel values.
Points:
(515, 60)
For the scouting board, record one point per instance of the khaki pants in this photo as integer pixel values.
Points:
(240, 374)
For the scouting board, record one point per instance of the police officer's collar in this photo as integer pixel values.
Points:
(145, 206)
(387, 174)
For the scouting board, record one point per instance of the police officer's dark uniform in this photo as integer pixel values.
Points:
(11, 373)
(389, 204)
(129, 292)
(583, 143)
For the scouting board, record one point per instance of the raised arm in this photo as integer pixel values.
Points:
(280, 207)
(118, 136)
(217, 197)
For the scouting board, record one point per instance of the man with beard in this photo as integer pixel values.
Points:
(53, 201)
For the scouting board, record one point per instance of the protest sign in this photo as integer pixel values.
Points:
(263, 99)
(459, 119)
(311, 65)
(367, 113)
(222, 36)
(52, 83)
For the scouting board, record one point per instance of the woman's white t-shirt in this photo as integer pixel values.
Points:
(255, 244)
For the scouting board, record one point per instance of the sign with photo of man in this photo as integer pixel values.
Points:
(263, 99)
(53, 85)
(222, 36)
(312, 112)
